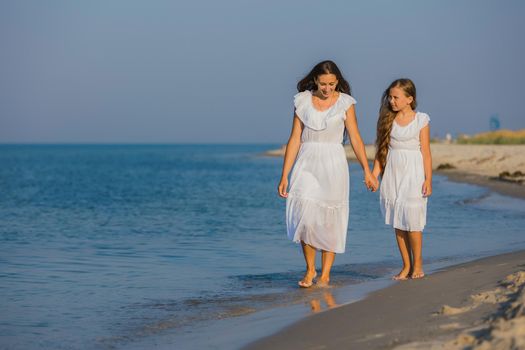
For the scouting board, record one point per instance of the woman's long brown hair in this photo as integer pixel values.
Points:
(324, 67)
(387, 116)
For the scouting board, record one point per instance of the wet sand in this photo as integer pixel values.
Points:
(502, 187)
(475, 305)
(479, 305)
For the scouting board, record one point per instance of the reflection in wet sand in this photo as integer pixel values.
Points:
(329, 302)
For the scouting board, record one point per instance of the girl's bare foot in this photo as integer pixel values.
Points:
(417, 274)
(402, 275)
(308, 279)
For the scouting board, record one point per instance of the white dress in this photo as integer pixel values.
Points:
(401, 198)
(317, 203)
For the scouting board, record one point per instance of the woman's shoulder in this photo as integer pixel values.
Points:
(301, 98)
(346, 100)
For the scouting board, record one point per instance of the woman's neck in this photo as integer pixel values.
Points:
(320, 96)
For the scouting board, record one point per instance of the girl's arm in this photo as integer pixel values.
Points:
(292, 148)
(424, 137)
(377, 169)
(359, 147)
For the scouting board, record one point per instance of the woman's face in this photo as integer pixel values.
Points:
(398, 99)
(326, 84)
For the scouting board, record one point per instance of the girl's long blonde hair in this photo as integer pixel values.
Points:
(387, 116)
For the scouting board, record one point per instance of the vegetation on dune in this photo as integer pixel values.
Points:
(499, 137)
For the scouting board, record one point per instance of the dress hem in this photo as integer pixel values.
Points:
(298, 241)
(404, 228)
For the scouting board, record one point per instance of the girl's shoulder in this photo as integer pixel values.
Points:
(422, 119)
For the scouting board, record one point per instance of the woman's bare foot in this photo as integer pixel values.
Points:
(329, 300)
(308, 279)
(323, 282)
(402, 275)
(315, 304)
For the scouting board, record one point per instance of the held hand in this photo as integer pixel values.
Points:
(371, 182)
(376, 183)
(283, 185)
(427, 188)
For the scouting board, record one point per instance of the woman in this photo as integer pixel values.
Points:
(317, 201)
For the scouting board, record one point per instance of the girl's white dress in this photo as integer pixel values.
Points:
(317, 203)
(401, 198)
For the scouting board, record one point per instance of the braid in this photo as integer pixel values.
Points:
(384, 127)
(387, 116)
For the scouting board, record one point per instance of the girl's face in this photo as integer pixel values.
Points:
(326, 84)
(399, 100)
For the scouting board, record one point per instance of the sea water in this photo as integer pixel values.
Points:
(144, 246)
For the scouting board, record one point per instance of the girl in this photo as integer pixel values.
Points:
(317, 202)
(403, 158)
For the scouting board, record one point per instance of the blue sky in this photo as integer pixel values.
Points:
(225, 71)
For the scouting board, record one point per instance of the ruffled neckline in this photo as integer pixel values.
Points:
(329, 108)
(315, 119)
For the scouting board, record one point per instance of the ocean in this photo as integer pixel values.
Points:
(167, 246)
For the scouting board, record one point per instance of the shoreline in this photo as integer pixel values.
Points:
(262, 324)
(502, 187)
(446, 317)
(467, 314)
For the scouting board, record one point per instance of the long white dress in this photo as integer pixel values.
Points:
(401, 199)
(317, 204)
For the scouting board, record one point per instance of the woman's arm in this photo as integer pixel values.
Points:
(424, 138)
(359, 147)
(292, 148)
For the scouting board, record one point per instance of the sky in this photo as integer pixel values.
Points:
(127, 71)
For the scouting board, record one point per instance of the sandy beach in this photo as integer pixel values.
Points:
(475, 305)
(476, 164)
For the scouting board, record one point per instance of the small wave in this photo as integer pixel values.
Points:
(245, 294)
(474, 200)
